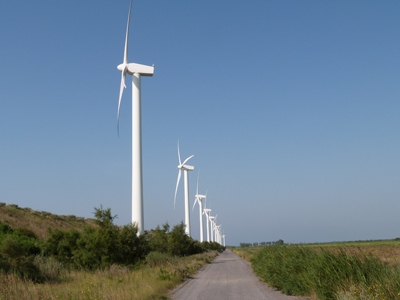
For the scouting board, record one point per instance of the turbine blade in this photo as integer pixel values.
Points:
(198, 183)
(121, 90)
(194, 204)
(187, 160)
(177, 183)
(179, 155)
(126, 38)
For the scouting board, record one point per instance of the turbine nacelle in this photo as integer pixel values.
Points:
(206, 211)
(186, 167)
(137, 68)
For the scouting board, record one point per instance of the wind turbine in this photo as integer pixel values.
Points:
(206, 211)
(199, 199)
(218, 233)
(137, 71)
(211, 227)
(185, 169)
(213, 231)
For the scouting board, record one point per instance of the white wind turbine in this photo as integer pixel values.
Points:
(218, 233)
(211, 218)
(136, 70)
(199, 199)
(206, 211)
(213, 226)
(185, 169)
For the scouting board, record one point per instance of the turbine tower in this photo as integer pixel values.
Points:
(137, 71)
(185, 169)
(206, 211)
(211, 227)
(218, 234)
(199, 199)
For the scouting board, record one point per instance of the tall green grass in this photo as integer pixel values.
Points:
(325, 274)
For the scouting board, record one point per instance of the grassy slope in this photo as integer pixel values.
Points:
(40, 221)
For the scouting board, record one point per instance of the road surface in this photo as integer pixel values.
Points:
(227, 277)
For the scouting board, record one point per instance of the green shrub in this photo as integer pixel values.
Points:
(15, 259)
(207, 246)
(131, 248)
(62, 244)
(158, 239)
(181, 244)
(5, 229)
(98, 247)
(25, 232)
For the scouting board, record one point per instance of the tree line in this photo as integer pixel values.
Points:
(256, 244)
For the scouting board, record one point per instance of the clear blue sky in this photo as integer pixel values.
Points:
(291, 109)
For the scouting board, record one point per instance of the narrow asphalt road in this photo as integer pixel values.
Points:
(227, 277)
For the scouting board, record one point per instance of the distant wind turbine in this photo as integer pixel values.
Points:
(218, 233)
(136, 70)
(206, 211)
(185, 169)
(199, 199)
(211, 227)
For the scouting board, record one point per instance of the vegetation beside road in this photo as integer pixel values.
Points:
(357, 271)
(98, 260)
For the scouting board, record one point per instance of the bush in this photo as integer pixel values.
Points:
(14, 259)
(62, 245)
(98, 247)
(5, 229)
(180, 244)
(207, 246)
(131, 248)
(158, 239)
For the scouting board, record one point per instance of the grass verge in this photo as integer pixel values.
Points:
(152, 280)
(326, 274)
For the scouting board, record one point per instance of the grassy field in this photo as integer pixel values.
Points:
(356, 270)
(388, 251)
(152, 280)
